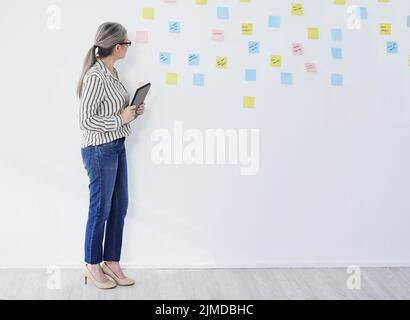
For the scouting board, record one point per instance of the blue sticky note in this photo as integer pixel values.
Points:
(337, 53)
(198, 79)
(361, 12)
(392, 47)
(222, 12)
(286, 78)
(274, 21)
(193, 59)
(336, 79)
(174, 27)
(253, 47)
(164, 58)
(408, 21)
(337, 34)
(250, 75)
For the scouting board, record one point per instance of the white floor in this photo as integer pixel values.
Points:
(198, 284)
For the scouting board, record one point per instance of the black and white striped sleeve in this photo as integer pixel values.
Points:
(92, 96)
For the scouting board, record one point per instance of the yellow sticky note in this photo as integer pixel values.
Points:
(171, 78)
(221, 62)
(340, 2)
(148, 13)
(275, 61)
(297, 9)
(385, 29)
(202, 2)
(313, 33)
(249, 102)
(247, 28)
(245, 1)
(409, 61)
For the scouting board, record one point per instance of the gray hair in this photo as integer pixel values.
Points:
(108, 35)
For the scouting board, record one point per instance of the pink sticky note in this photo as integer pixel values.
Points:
(218, 35)
(297, 49)
(310, 67)
(142, 37)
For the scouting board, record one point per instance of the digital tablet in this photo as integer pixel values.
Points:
(140, 95)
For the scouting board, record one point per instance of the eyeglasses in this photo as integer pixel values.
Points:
(127, 43)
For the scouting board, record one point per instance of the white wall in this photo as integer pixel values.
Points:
(334, 178)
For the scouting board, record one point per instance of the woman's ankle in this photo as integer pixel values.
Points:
(94, 267)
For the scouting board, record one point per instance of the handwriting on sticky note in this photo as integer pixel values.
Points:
(221, 62)
(392, 47)
(385, 29)
(275, 61)
(253, 47)
(164, 58)
(310, 67)
(218, 35)
(297, 9)
(247, 28)
(174, 27)
(297, 49)
(193, 59)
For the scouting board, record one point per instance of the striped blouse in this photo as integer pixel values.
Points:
(103, 98)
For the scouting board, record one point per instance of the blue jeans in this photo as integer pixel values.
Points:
(106, 166)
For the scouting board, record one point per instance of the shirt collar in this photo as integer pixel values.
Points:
(104, 67)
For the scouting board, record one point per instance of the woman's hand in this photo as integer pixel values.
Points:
(140, 109)
(128, 114)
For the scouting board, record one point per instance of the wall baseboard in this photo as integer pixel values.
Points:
(276, 265)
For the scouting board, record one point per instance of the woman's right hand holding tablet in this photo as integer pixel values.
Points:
(128, 114)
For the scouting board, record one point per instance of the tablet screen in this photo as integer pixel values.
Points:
(140, 95)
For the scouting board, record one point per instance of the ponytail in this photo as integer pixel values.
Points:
(89, 61)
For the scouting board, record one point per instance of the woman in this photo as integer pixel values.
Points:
(105, 119)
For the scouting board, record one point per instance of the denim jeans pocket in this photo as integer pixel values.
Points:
(86, 156)
(108, 148)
